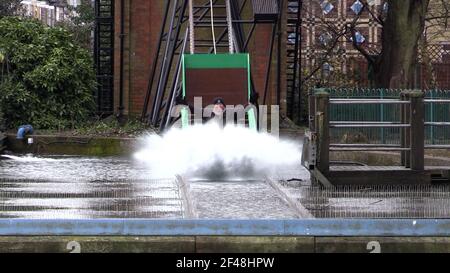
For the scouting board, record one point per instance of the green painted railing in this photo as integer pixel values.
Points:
(434, 112)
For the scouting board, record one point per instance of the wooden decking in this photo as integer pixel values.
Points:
(375, 175)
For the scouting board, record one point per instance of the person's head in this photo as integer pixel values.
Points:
(219, 106)
(219, 101)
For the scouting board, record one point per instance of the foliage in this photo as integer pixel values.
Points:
(50, 80)
(111, 127)
(108, 127)
(80, 22)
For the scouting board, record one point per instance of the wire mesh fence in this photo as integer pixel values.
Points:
(380, 201)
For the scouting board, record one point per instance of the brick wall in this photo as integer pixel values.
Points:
(143, 19)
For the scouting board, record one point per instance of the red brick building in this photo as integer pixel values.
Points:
(142, 26)
(321, 17)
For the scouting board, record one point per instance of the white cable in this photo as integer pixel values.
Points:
(191, 28)
(230, 27)
(212, 27)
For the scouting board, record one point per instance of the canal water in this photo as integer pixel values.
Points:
(81, 187)
(223, 174)
(62, 187)
(65, 187)
(199, 173)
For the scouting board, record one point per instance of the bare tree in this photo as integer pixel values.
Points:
(402, 29)
(403, 24)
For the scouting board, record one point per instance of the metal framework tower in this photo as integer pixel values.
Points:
(104, 55)
(228, 35)
(293, 95)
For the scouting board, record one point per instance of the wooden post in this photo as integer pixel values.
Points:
(322, 126)
(403, 131)
(312, 109)
(417, 120)
(406, 137)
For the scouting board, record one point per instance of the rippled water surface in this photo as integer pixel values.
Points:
(86, 188)
(80, 187)
(111, 187)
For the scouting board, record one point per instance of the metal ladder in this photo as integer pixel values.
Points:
(293, 96)
(104, 55)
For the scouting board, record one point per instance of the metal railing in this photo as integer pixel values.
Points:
(410, 125)
(381, 105)
(367, 124)
(431, 125)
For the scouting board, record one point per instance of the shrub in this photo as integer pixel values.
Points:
(50, 80)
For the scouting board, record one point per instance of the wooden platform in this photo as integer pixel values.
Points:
(265, 10)
(411, 139)
(376, 175)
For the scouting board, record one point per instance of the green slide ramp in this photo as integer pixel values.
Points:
(218, 61)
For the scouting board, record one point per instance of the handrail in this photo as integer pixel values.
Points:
(377, 149)
(437, 123)
(368, 101)
(359, 145)
(412, 125)
(437, 147)
(369, 125)
(362, 121)
(436, 101)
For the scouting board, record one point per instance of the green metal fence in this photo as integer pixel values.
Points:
(434, 112)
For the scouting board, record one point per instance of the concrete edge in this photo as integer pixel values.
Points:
(222, 244)
(154, 227)
(11, 135)
(73, 145)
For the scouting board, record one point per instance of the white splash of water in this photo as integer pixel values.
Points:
(208, 151)
(28, 158)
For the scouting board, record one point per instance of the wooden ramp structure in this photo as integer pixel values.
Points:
(411, 127)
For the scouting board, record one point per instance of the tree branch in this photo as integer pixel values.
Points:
(327, 54)
(378, 18)
(351, 28)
